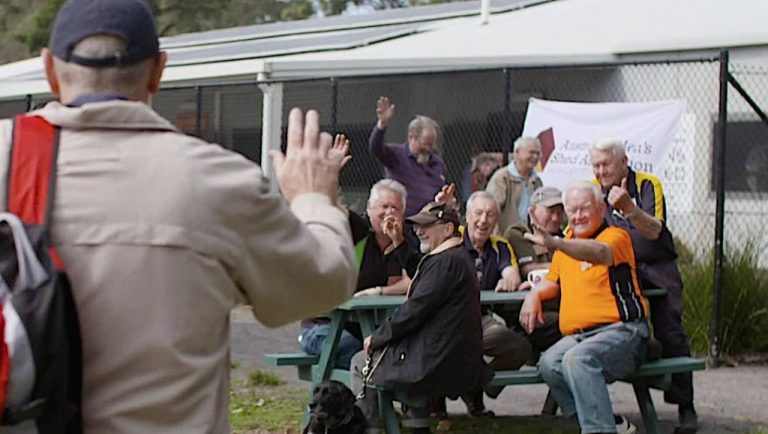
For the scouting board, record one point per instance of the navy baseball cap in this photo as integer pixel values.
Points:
(129, 20)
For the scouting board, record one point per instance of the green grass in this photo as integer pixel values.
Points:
(258, 378)
(261, 401)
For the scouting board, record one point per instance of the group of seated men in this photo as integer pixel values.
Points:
(587, 319)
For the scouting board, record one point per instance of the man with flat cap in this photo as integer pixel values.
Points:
(162, 234)
(546, 209)
(432, 345)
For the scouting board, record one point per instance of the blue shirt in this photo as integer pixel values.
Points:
(525, 194)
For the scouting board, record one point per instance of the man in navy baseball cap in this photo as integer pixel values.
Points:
(162, 234)
(129, 20)
(104, 50)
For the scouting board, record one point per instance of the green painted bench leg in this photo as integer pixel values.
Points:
(645, 402)
(305, 418)
(550, 405)
(387, 412)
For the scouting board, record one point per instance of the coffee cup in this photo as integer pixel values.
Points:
(536, 276)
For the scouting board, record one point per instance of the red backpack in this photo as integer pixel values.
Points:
(40, 355)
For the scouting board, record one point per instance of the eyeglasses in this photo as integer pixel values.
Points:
(427, 225)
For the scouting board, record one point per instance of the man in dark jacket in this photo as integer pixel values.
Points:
(432, 345)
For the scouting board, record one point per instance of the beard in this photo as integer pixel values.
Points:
(424, 248)
(422, 159)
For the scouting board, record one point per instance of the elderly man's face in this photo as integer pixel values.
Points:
(551, 217)
(608, 169)
(388, 203)
(585, 213)
(433, 234)
(481, 219)
(527, 156)
(421, 146)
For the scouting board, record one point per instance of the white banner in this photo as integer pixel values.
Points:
(566, 129)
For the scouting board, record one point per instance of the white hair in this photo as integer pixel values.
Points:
(614, 146)
(483, 194)
(387, 184)
(421, 122)
(583, 185)
(523, 140)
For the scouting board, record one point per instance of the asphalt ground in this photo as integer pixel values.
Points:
(728, 399)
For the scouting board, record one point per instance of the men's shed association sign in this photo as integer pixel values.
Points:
(649, 131)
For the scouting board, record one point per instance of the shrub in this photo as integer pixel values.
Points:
(743, 304)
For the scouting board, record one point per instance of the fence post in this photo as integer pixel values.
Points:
(506, 145)
(271, 125)
(720, 156)
(334, 105)
(198, 111)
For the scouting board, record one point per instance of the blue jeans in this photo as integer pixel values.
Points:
(311, 342)
(579, 367)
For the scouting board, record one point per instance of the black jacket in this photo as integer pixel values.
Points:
(434, 340)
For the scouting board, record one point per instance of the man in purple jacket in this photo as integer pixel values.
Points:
(414, 164)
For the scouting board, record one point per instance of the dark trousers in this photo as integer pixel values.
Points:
(667, 319)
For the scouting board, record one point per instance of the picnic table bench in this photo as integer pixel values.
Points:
(369, 310)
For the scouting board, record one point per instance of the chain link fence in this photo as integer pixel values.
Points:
(482, 111)
(746, 160)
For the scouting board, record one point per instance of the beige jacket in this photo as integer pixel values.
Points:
(161, 235)
(507, 189)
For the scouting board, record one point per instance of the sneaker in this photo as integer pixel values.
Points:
(688, 421)
(623, 426)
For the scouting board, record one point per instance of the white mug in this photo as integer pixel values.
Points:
(536, 276)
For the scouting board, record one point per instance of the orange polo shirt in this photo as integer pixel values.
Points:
(596, 294)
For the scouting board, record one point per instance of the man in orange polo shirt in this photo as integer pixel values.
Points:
(602, 311)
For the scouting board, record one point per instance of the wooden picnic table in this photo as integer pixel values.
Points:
(370, 311)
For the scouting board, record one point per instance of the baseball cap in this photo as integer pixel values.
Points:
(546, 197)
(433, 212)
(130, 20)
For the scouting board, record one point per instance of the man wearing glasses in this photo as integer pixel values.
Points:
(431, 346)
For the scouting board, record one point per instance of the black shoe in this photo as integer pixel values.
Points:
(475, 405)
(688, 422)
(437, 408)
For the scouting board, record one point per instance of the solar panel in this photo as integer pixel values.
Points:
(260, 48)
(337, 22)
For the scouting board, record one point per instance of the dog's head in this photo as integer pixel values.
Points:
(332, 404)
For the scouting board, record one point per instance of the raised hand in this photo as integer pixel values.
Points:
(539, 236)
(385, 111)
(393, 229)
(618, 198)
(308, 165)
(447, 194)
(340, 149)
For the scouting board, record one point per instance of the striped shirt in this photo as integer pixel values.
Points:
(421, 181)
(597, 294)
(645, 190)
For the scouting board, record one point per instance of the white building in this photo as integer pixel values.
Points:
(576, 50)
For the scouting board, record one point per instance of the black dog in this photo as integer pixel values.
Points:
(332, 410)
